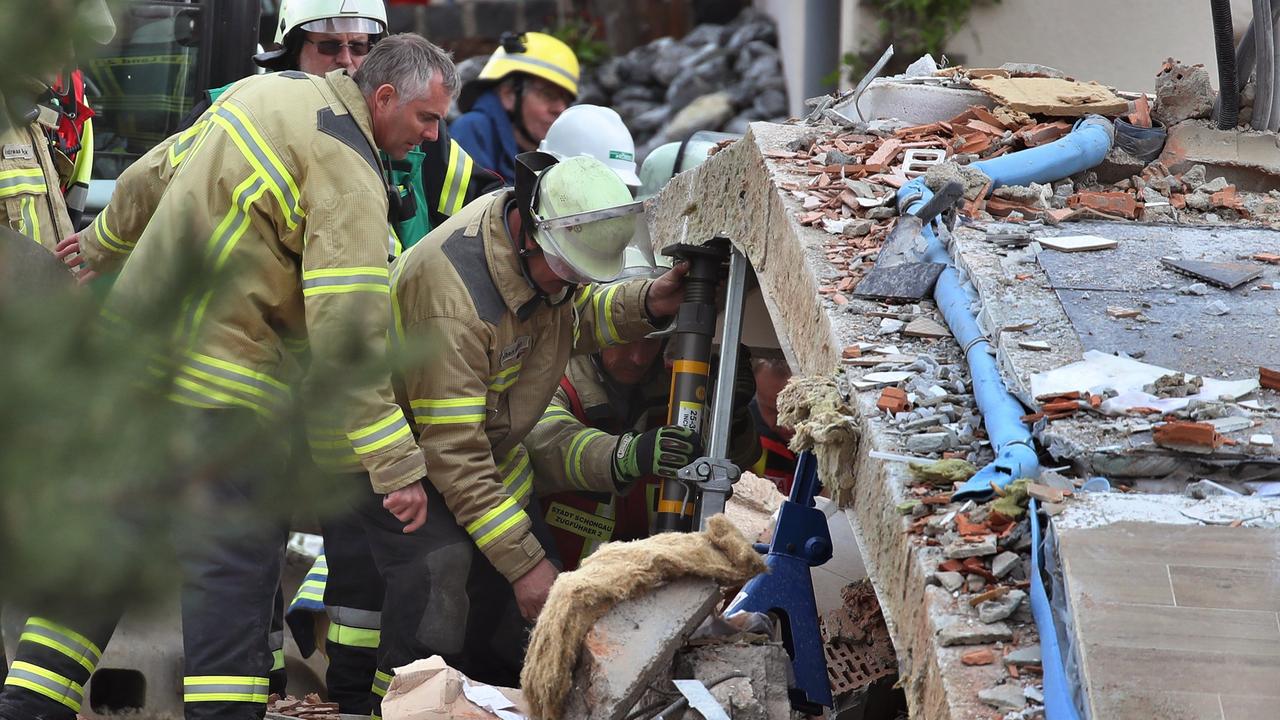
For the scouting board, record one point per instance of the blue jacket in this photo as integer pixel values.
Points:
(487, 135)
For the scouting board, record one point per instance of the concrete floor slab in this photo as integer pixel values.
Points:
(1172, 618)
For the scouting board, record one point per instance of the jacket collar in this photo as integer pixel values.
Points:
(353, 100)
(504, 263)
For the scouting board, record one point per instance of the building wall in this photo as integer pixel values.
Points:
(1116, 42)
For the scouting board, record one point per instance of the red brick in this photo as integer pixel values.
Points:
(978, 657)
(1111, 203)
(1269, 378)
(1180, 433)
(893, 400)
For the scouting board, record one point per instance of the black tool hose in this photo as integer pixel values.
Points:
(1264, 85)
(1228, 107)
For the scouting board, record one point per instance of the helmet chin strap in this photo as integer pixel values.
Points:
(524, 253)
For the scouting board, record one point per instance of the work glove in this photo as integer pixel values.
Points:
(661, 451)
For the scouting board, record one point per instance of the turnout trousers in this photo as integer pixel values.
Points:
(443, 597)
(230, 573)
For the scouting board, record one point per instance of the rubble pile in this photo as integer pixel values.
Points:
(309, 708)
(718, 77)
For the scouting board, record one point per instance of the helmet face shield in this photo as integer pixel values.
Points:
(585, 244)
(336, 25)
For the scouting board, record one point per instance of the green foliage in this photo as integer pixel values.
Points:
(100, 473)
(913, 27)
(580, 34)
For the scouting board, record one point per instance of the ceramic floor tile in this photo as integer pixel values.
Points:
(1180, 628)
(1203, 545)
(1130, 703)
(1119, 580)
(1238, 707)
(1194, 671)
(1225, 587)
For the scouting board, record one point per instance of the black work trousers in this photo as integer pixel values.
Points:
(353, 601)
(443, 597)
(230, 561)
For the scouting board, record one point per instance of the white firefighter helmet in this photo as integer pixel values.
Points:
(596, 132)
(322, 16)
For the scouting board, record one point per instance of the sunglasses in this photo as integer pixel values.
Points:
(333, 47)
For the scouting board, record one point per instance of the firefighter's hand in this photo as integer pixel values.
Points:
(532, 588)
(409, 505)
(661, 451)
(667, 292)
(68, 251)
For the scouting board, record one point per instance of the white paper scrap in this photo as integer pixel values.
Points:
(1099, 372)
(488, 698)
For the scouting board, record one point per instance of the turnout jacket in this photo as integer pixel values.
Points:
(485, 355)
(31, 200)
(270, 234)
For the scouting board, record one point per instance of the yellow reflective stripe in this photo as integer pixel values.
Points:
(517, 474)
(353, 636)
(448, 410)
(47, 683)
(454, 192)
(582, 296)
(496, 522)
(573, 458)
(30, 218)
(186, 140)
(381, 681)
(331, 281)
(261, 382)
(506, 378)
(207, 397)
(106, 237)
(62, 639)
(556, 414)
(606, 331)
(22, 180)
(225, 688)
(389, 430)
(277, 660)
(259, 154)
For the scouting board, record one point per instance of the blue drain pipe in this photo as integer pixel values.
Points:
(1058, 704)
(1084, 147)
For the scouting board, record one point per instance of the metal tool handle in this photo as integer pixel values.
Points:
(941, 201)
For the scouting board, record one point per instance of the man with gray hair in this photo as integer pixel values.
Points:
(271, 236)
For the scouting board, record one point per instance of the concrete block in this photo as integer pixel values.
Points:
(762, 695)
(1248, 160)
(634, 643)
(913, 103)
(968, 632)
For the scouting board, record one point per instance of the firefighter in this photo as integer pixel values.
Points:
(286, 222)
(499, 298)
(528, 81)
(46, 146)
(776, 462)
(432, 181)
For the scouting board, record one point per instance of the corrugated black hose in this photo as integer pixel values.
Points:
(1227, 111)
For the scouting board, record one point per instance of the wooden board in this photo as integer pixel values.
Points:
(1055, 97)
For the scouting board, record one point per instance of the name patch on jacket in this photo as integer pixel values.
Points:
(515, 351)
(19, 152)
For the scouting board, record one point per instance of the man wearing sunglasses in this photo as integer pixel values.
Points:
(498, 298)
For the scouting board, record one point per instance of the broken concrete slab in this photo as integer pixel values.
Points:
(1249, 160)
(761, 695)
(961, 548)
(1003, 563)
(1000, 608)
(611, 675)
(964, 631)
(923, 327)
(1004, 697)
(1027, 655)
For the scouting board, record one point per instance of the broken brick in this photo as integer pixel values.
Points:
(1227, 198)
(950, 566)
(968, 528)
(851, 352)
(978, 657)
(1043, 134)
(1141, 115)
(974, 566)
(1111, 203)
(893, 400)
(886, 153)
(1269, 378)
(1001, 207)
(1271, 258)
(1180, 434)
